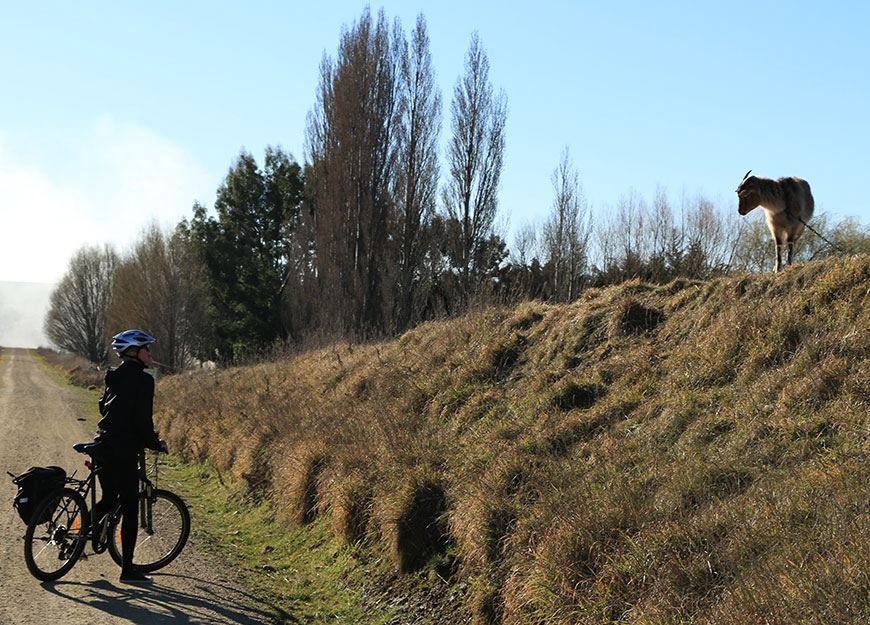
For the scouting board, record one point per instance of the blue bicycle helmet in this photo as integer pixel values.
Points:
(131, 338)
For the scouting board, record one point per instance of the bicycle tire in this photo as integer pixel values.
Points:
(169, 532)
(52, 547)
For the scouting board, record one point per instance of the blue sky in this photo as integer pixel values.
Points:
(114, 114)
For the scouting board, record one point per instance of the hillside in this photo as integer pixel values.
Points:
(695, 452)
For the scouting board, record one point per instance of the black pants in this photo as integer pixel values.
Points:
(119, 478)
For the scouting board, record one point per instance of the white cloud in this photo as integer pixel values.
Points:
(38, 225)
(112, 183)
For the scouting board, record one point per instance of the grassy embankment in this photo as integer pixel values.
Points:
(691, 453)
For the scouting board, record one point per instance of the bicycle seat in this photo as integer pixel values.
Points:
(86, 448)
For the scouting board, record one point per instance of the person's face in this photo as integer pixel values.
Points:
(144, 355)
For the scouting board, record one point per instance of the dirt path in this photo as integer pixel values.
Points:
(38, 425)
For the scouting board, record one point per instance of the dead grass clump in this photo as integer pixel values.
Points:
(632, 318)
(498, 361)
(345, 492)
(527, 316)
(711, 484)
(569, 577)
(577, 394)
(90, 377)
(301, 475)
(254, 464)
(585, 426)
(79, 370)
(414, 520)
(482, 527)
(485, 518)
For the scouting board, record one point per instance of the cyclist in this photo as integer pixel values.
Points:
(126, 428)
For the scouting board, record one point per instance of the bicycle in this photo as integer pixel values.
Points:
(60, 526)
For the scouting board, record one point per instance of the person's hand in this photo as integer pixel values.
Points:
(164, 447)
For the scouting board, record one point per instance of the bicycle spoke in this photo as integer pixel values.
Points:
(52, 547)
(161, 533)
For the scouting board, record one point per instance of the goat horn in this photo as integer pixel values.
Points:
(747, 175)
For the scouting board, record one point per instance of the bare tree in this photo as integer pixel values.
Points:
(351, 149)
(75, 321)
(525, 244)
(751, 247)
(566, 231)
(475, 155)
(416, 181)
(160, 287)
(665, 237)
(623, 240)
(708, 236)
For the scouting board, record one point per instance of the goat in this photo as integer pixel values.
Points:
(788, 205)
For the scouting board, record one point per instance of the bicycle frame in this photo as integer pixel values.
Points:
(87, 488)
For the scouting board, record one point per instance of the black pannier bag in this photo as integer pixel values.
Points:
(33, 485)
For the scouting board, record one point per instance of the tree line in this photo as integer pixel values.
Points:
(365, 240)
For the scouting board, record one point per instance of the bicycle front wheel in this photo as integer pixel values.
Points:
(164, 525)
(56, 535)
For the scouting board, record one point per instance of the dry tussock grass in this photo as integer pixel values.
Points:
(695, 452)
(80, 371)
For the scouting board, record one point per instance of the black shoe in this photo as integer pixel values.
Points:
(135, 577)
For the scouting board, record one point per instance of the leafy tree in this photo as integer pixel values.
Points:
(75, 321)
(246, 250)
(475, 155)
(160, 287)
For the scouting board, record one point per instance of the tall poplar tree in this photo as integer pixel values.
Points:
(566, 231)
(351, 148)
(416, 179)
(475, 155)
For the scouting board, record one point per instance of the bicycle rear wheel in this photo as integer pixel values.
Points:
(56, 535)
(164, 525)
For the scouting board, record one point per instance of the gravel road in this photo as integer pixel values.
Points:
(38, 425)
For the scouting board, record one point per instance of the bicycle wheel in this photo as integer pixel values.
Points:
(56, 535)
(164, 525)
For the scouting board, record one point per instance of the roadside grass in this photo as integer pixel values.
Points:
(689, 453)
(64, 370)
(302, 576)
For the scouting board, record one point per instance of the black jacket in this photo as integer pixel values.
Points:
(127, 426)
